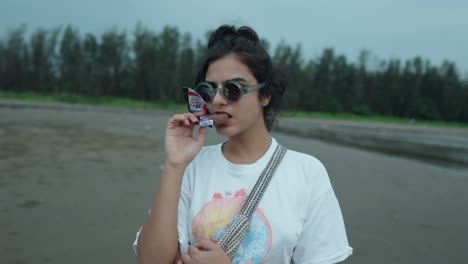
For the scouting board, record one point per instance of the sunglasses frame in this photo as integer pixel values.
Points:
(243, 89)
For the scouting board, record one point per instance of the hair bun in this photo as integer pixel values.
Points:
(249, 34)
(226, 32)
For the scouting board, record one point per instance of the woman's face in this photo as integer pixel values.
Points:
(246, 114)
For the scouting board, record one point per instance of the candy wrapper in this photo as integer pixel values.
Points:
(195, 102)
(197, 105)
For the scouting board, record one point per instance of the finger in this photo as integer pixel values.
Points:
(183, 118)
(200, 246)
(193, 251)
(190, 116)
(210, 245)
(186, 258)
(193, 118)
(176, 120)
(180, 261)
(214, 239)
(181, 123)
(202, 135)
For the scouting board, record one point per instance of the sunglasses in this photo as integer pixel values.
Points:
(231, 90)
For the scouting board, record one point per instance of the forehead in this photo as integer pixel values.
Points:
(227, 68)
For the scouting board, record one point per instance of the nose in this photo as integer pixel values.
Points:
(218, 98)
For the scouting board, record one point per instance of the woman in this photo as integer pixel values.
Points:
(202, 188)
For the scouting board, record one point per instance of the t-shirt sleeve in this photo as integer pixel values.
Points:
(323, 239)
(135, 242)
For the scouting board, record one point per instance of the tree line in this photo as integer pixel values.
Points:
(149, 65)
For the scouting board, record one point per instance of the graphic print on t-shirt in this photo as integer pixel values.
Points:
(215, 217)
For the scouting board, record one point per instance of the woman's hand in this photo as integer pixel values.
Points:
(205, 252)
(181, 147)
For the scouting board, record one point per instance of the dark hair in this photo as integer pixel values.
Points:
(245, 44)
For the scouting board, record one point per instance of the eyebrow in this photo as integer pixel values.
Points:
(238, 79)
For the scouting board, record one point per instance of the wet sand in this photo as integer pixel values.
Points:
(76, 182)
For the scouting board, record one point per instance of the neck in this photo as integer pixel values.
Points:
(248, 147)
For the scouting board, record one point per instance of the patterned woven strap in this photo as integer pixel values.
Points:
(235, 233)
(233, 237)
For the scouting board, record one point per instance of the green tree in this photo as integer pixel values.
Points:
(452, 94)
(71, 64)
(15, 61)
(166, 66)
(113, 63)
(290, 61)
(90, 57)
(43, 45)
(185, 67)
(323, 99)
(145, 50)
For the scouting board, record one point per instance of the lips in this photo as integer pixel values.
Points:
(223, 113)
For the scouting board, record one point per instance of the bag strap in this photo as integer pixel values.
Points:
(235, 233)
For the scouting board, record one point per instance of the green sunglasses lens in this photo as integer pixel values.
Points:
(205, 90)
(231, 91)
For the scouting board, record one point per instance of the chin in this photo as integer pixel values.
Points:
(227, 131)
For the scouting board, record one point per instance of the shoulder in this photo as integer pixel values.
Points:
(294, 159)
(198, 166)
(306, 170)
(206, 156)
(208, 152)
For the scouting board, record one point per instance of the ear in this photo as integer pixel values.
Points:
(266, 100)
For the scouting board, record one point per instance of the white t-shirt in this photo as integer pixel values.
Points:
(298, 219)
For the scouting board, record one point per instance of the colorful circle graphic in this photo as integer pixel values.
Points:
(214, 218)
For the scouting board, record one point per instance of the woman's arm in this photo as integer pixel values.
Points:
(158, 240)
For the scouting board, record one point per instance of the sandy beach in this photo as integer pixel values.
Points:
(76, 183)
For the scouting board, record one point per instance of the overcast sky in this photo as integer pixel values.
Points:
(434, 30)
